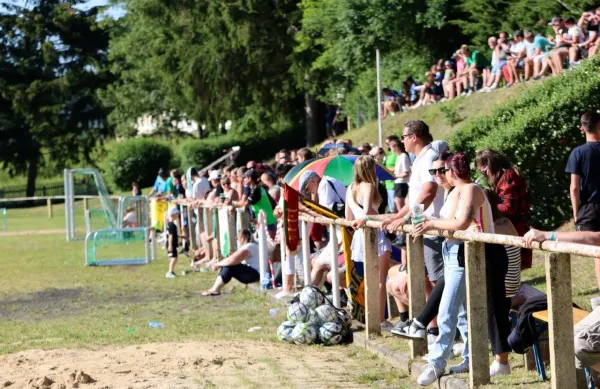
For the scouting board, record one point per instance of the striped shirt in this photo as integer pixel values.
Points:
(513, 275)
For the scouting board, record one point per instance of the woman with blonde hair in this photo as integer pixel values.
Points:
(362, 200)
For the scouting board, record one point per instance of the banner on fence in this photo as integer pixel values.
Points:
(290, 218)
(224, 232)
(157, 213)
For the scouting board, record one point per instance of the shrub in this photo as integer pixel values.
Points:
(538, 131)
(137, 160)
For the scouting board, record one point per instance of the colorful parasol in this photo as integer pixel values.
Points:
(340, 167)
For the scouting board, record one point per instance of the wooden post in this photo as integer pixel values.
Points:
(217, 233)
(192, 229)
(371, 280)
(560, 319)
(49, 205)
(416, 288)
(244, 219)
(477, 314)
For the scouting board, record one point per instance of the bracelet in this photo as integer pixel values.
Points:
(407, 218)
(552, 235)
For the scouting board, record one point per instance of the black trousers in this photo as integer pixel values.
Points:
(243, 273)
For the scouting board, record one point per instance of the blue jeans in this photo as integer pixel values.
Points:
(452, 311)
(391, 203)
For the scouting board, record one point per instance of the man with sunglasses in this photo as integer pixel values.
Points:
(422, 189)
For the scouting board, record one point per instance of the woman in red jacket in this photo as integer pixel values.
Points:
(511, 188)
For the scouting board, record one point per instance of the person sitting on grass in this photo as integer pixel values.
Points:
(243, 265)
(172, 241)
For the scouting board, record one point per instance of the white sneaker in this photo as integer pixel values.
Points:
(283, 294)
(458, 348)
(415, 331)
(431, 339)
(470, 92)
(430, 375)
(499, 369)
(462, 367)
(484, 89)
(463, 94)
(170, 274)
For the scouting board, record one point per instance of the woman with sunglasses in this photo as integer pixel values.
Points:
(229, 194)
(397, 284)
(468, 209)
(511, 188)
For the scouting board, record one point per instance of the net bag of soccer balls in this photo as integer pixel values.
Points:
(312, 318)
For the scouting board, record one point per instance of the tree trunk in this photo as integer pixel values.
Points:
(312, 127)
(32, 171)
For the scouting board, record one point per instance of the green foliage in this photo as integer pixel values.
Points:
(52, 57)
(137, 160)
(538, 131)
(450, 114)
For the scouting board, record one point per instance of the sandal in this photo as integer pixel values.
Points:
(210, 293)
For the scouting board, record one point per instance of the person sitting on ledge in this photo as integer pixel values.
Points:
(243, 265)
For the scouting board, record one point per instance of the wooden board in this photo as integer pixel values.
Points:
(578, 315)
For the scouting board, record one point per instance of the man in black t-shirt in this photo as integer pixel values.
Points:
(584, 167)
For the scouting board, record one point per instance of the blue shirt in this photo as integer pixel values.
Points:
(160, 185)
(539, 42)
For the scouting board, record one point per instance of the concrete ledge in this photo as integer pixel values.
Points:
(400, 360)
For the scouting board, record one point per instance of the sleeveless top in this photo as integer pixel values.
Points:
(357, 209)
(482, 220)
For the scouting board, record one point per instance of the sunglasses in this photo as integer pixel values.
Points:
(404, 136)
(440, 170)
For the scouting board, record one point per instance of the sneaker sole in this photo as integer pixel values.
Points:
(406, 336)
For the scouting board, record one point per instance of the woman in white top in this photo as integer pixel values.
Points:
(362, 200)
(243, 265)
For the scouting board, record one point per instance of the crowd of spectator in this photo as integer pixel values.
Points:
(525, 55)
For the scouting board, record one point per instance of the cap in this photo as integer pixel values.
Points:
(556, 19)
(518, 33)
(173, 211)
(448, 63)
(305, 177)
(214, 175)
(250, 173)
(528, 33)
(162, 172)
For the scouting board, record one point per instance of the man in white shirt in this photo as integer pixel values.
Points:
(330, 193)
(200, 185)
(422, 189)
(574, 37)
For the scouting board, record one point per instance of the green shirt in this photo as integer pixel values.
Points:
(390, 163)
(478, 59)
(170, 186)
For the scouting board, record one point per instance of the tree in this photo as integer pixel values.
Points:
(52, 59)
(212, 60)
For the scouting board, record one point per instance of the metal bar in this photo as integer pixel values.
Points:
(306, 253)
(379, 118)
(335, 270)
(477, 313)
(560, 320)
(262, 244)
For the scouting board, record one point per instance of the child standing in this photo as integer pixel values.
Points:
(172, 241)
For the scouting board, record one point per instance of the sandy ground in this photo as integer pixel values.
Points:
(182, 365)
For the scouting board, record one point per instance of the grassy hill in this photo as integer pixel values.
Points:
(442, 118)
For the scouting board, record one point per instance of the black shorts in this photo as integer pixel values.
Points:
(172, 254)
(400, 190)
(588, 218)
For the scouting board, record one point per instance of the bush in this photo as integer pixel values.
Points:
(137, 160)
(537, 131)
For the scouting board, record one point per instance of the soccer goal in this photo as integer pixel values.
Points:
(120, 246)
(106, 204)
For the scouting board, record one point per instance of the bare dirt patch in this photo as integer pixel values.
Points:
(183, 365)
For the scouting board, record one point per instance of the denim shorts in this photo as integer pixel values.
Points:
(498, 67)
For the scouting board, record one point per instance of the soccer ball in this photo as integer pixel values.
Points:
(331, 333)
(326, 313)
(311, 297)
(312, 318)
(284, 332)
(304, 333)
(344, 318)
(297, 312)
